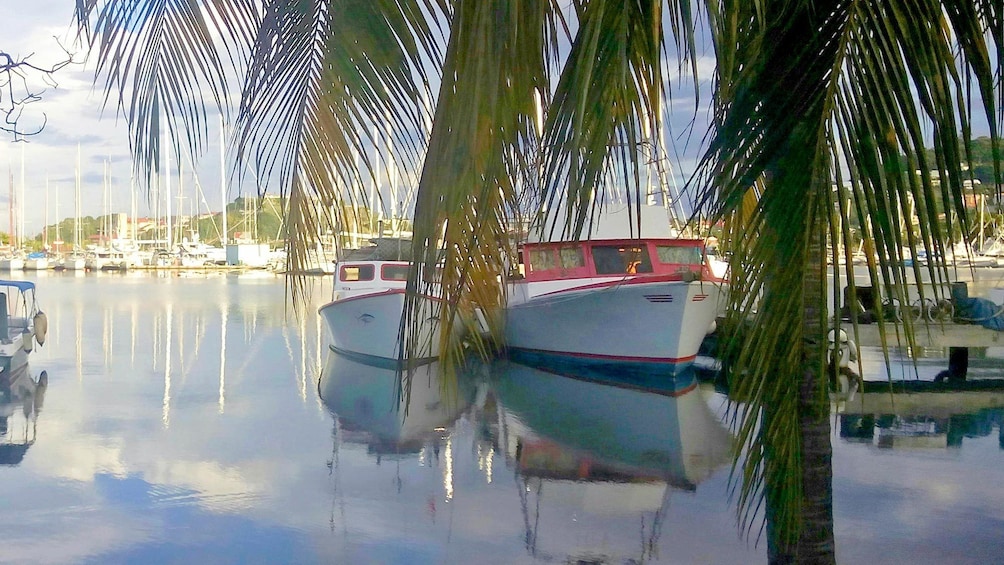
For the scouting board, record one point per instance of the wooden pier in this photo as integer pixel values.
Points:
(926, 334)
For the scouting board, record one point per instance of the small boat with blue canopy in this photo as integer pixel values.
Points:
(22, 324)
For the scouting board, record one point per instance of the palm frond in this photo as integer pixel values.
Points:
(604, 106)
(161, 60)
(485, 118)
(329, 83)
(808, 95)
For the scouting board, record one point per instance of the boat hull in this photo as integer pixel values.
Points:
(631, 333)
(368, 326)
(13, 355)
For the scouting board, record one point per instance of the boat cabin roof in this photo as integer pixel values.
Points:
(615, 257)
(23, 286)
(382, 249)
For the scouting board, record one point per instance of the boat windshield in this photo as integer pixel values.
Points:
(618, 259)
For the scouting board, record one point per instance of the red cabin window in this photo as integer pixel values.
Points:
(571, 257)
(541, 259)
(356, 273)
(394, 272)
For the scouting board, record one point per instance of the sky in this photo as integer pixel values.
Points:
(73, 114)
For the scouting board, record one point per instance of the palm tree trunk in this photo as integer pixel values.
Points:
(814, 543)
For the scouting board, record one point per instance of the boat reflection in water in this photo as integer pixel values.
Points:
(919, 431)
(599, 452)
(21, 398)
(371, 408)
(563, 470)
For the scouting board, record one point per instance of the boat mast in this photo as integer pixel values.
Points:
(59, 240)
(167, 199)
(223, 181)
(20, 203)
(45, 230)
(10, 208)
(76, 203)
(132, 204)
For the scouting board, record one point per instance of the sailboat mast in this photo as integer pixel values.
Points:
(20, 203)
(132, 205)
(45, 229)
(167, 185)
(76, 203)
(10, 207)
(59, 240)
(223, 181)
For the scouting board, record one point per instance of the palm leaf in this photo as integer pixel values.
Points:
(161, 59)
(814, 94)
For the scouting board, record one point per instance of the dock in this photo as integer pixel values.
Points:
(926, 398)
(929, 334)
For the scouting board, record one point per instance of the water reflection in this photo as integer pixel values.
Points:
(21, 398)
(599, 453)
(591, 469)
(921, 431)
(371, 408)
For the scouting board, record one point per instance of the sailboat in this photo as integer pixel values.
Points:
(75, 261)
(13, 260)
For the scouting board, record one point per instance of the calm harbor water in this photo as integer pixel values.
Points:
(194, 419)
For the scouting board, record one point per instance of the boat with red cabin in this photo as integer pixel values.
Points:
(631, 312)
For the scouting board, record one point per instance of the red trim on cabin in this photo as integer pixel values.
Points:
(617, 281)
(385, 266)
(589, 269)
(379, 293)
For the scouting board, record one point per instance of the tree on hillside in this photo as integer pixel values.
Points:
(807, 94)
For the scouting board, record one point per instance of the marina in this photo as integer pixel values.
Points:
(184, 414)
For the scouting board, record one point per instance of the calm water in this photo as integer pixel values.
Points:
(191, 420)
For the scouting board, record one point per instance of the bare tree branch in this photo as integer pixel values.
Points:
(23, 83)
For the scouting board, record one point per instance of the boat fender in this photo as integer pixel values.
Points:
(841, 351)
(41, 323)
(27, 340)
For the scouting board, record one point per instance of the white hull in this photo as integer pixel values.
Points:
(658, 323)
(13, 355)
(369, 325)
(36, 264)
(74, 264)
(11, 264)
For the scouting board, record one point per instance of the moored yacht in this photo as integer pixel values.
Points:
(630, 311)
(22, 324)
(365, 314)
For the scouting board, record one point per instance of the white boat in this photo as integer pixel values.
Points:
(22, 324)
(72, 262)
(106, 259)
(194, 253)
(12, 263)
(364, 316)
(37, 263)
(631, 311)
